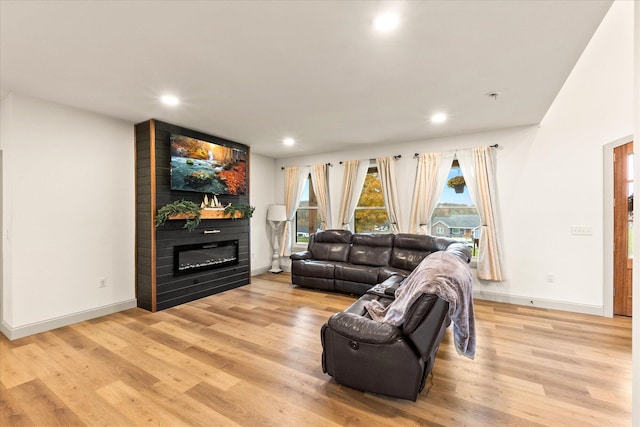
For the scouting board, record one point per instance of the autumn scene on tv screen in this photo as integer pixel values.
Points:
(206, 167)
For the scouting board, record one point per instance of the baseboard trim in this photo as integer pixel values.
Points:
(262, 270)
(539, 302)
(259, 271)
(69, 319)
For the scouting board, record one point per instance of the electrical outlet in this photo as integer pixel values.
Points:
(551, 277)
(102, 282)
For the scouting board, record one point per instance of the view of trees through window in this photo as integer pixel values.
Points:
(307, 213)
(456, 215)
(371, 215)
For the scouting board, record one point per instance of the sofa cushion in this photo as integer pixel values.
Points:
(358, 307)
(313, 268)
(386, 272)
(314, 282)
(353, 288)
(410, 249)
(371, 249)
(330, 245)
(357, 273)
(363, 330)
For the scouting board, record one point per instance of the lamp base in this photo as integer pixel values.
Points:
(275, 264)
(275, 258)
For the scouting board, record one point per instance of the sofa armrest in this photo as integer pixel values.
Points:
(363, 329)
(300, 255)
(460, 249)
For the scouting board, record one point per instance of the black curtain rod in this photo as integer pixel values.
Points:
(328, 164)
(491, 146)
(398, 156)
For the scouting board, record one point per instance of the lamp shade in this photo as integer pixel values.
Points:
(277, 213)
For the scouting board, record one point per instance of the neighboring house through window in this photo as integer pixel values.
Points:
(456, 215)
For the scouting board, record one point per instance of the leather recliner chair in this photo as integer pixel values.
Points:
(377, 357)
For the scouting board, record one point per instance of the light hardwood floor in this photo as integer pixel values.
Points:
(251, 356)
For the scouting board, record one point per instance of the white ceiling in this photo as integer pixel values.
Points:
(257, 71)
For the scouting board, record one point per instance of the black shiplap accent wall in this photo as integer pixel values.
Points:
(156, 286)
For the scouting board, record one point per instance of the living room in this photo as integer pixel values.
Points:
(68, 200)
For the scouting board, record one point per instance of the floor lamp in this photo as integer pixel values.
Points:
(276, 215)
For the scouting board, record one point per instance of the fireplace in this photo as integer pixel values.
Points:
(204, 256)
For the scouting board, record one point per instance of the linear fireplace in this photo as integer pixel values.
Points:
(204, 256)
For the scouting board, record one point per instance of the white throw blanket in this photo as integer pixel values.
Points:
(447, 276)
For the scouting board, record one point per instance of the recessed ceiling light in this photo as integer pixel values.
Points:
(439, 118)
(288, 141)
(386, 22)
(170, 100)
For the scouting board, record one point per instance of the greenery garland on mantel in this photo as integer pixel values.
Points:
(192, 213)
(191, 210)
(245, 210)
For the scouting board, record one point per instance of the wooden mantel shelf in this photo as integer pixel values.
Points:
(209, 214)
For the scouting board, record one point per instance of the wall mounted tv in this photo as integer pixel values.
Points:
(205, 167)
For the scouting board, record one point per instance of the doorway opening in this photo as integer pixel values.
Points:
(623, 229)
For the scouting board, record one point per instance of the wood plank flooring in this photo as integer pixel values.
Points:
(251, 357)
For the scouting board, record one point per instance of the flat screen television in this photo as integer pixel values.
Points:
(205, 167)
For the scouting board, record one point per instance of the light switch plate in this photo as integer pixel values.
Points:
(581, 230)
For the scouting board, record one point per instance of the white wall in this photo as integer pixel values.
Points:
(68, 205)
(262, 194)
(68, 214)
(550, 177)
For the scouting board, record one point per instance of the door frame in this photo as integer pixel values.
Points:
(607, 306)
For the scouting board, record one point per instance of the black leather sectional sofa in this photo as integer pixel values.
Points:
(338, 260)
(357, 351)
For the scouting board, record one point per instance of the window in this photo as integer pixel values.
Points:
(456, 215)
(371, 214)
(307, 213)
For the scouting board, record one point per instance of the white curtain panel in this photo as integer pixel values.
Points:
(431, 176)
(294, 178)
(353, 176)
(319, 179)
(479, 169)
(387, 171)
